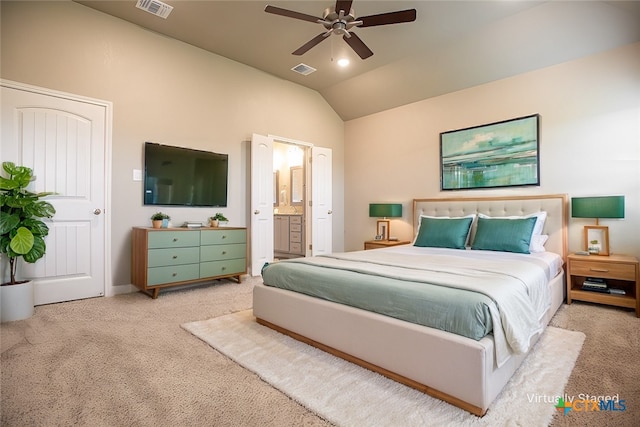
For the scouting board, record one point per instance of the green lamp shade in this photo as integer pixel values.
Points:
(597, 207)
(385, 210)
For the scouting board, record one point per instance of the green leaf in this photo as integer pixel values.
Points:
(37, 251)
(22, 242)
(8, 222)
(37, 227)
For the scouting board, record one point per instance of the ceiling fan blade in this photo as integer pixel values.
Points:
(408, 15)
(358, 45)
(311, 43)
(343, 5)
(291, 14)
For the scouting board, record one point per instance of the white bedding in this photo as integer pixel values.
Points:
(517, 283)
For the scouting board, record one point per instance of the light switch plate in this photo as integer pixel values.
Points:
(137, 175)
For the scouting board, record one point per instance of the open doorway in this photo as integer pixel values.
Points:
(316, 201)
(289, 205)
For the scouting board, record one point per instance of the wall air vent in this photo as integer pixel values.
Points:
(155, 7)
(303, 69)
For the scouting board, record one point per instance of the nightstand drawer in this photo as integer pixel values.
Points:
(606, 270)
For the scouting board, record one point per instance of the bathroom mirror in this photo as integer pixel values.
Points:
(276, 187)
(297, 185)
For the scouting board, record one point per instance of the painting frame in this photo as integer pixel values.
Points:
(493, 155)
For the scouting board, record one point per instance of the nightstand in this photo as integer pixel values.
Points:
(377, 244)
(619, 272)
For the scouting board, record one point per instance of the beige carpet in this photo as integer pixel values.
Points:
(349, 395)
(125, 361)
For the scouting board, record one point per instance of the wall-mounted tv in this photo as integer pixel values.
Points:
(176, 176)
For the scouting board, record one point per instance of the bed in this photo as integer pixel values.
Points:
(467, 371)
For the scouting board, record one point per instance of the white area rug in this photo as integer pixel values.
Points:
(348, 395)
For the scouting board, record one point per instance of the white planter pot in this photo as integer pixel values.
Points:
(16, 302)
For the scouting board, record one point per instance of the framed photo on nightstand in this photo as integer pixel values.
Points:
(383, 229)
(596, 239)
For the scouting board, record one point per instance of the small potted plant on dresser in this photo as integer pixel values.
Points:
(215, 220)
(22, 234)
(160, 220)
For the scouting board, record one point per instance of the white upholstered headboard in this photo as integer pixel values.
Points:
(555, 205)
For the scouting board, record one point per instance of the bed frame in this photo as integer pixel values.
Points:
(450, 367)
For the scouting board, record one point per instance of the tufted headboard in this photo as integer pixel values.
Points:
(555, 205)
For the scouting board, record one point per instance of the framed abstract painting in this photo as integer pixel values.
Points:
(501, 154)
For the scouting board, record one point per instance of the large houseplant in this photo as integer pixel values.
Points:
(22, 230)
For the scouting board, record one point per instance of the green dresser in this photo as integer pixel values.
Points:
(175, 256)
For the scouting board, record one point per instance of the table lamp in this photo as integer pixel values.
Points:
(596, 237)
(384, 210)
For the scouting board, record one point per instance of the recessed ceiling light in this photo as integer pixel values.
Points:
(343, 62)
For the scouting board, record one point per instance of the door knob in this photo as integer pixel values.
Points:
(97, 212)
(329, 212)
(256, 212)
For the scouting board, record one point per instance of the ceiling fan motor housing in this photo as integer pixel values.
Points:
(338, 22)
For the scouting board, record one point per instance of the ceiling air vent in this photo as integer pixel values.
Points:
(303, 69)
(155, 7)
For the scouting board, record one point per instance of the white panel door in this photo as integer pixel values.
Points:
(321, 204)
(262, 196)
(64, 140)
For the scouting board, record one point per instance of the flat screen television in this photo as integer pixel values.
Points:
(176, 176)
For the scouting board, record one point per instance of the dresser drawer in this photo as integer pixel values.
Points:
(173, 239)
(220, 268)
(221, 252)
(296, 219)
(607, 270)
(222, 237)
(296, 227)
(173, 256)
(296, 237)
(296, 248)
(174, 273)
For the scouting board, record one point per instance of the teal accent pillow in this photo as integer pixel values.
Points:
(505, 235)
(443, 232)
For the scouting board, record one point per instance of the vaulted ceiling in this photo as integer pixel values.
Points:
(452, 45)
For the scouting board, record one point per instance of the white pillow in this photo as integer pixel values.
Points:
(537, 243)
(537, 238)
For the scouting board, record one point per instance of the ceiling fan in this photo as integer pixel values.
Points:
(341, 20)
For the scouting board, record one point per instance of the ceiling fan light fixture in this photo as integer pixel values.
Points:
(343, 62)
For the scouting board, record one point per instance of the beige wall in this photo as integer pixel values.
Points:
(163, 91)
(589, 143)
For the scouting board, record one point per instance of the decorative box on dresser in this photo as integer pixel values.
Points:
(620, 272)
(167, 257)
